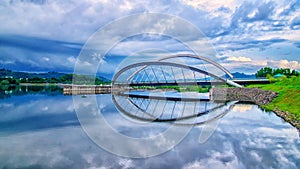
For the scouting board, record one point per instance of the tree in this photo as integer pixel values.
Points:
(263, 72)
(295, 73)
(4, 82)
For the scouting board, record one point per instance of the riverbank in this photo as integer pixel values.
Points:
(287, 104)
(266, 99)
(254, 95)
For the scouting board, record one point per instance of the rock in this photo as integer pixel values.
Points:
(254, 95)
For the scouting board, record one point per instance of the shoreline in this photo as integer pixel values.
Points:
(286, 116)
(257, 96)
(38, 84)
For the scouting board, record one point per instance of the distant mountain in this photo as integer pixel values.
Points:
(17, 75)
(238, 75)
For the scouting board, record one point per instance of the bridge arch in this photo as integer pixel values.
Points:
(146, 64)
(142, 66)
(188, 56)
(199, 58)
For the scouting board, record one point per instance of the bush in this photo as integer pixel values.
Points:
(283, 78)
(4, 82)
(271, 78)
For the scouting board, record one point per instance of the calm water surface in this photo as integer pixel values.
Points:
(39, 129)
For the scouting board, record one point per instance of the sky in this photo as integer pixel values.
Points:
(48, 35)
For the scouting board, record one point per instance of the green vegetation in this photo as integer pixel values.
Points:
(194, 88)
(8, 81)
(7, 91)
(4, 82)
(67, 79)
(267, 71)
(8, 77)
(289, 95)
(18, 75)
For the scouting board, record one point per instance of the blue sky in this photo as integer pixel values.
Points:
(47, 35)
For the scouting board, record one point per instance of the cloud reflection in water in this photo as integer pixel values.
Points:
(34, 136)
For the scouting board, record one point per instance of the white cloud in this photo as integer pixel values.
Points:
(284, 64)
(255, 65)
(126, 6)
(46, 59)
(212, 6)
(239, 59)
(291, 35)
(215, 161)
(71, 59)
(242, 108)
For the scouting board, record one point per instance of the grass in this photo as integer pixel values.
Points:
(288, 98)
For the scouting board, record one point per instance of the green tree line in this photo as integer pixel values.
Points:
(65, 79)
(264, 72)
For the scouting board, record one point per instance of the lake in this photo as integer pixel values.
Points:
(39, 128)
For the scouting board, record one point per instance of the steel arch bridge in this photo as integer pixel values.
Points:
(167, 72)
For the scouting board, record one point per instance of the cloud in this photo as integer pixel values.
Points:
(71, 59)
(284, 64)
(295, 24)
(230, 26)
(31, 53)
(251, 11)
(36, 2)
(239, 59)
(242, 108)
(297, 44)
(213, 6)
(39, 45)
(229, 44)
(254, 65)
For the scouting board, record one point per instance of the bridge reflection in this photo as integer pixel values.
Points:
(179, 112)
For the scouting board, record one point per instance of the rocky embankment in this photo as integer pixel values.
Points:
(254, 95)
(288, 117)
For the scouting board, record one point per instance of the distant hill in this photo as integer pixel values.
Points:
(238, 75)
(17, 75)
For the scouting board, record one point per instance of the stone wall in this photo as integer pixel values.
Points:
(254, 95)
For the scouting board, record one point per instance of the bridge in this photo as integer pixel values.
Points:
(180, 108)
(174, 70)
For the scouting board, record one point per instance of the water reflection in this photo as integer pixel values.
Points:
(245, 138)
(7, 91)
(178, 111)
(26, 112)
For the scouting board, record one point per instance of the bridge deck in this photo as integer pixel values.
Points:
(201, 83)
